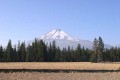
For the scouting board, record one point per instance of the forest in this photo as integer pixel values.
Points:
(39, 51)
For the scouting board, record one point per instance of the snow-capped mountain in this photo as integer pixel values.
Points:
(58, 34)
(63, 39)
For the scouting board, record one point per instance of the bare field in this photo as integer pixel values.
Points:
(59, 76)
(61, 65)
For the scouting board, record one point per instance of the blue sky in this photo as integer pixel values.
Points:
(84, 19)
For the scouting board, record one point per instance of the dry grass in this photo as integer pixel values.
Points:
(59, 76)
(60, 65)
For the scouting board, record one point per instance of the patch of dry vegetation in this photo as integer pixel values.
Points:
(59, 76)
(61, 65)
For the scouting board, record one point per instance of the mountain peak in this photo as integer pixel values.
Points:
(57, 34)
(58, 30)
(63, 40)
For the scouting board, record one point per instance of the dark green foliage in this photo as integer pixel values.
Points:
(8, 52)
(29, 54)
(38, 51)
(1, 53)
(58, 55)
(78, 53)
(14, 55)
(22, 52)
(41, 51)
(98, 48)
(95, 51)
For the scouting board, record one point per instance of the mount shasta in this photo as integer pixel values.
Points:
(63, 40)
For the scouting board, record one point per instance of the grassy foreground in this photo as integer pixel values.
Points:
(61, 65)
(59, 76)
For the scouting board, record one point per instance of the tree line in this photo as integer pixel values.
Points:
(39, 51)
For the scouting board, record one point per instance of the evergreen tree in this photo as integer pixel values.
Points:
(118, 54)
(58, 55)
(53, 51)
(30, 56)
(14, 55)
(68, 54)
(41, 51)
(9, 51)
(78, 53)
(83, 54)
(28, 52)
(49, 53)
(1, 53)
(100, 49)
(88, 55)
(18, 52)
(23, 51)
(72, 51)
(95, 49)
(45, 52)
(35, 50)
(63, 56)
(106, 56)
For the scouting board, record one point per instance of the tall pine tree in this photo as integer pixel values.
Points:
(100, 49)
(9, 51)
(1, 53)
(95, 55)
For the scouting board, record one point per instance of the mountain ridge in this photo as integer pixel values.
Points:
(57, 34)
(63, 40)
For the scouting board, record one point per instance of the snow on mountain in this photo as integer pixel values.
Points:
(63, 39)
(57, 34)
